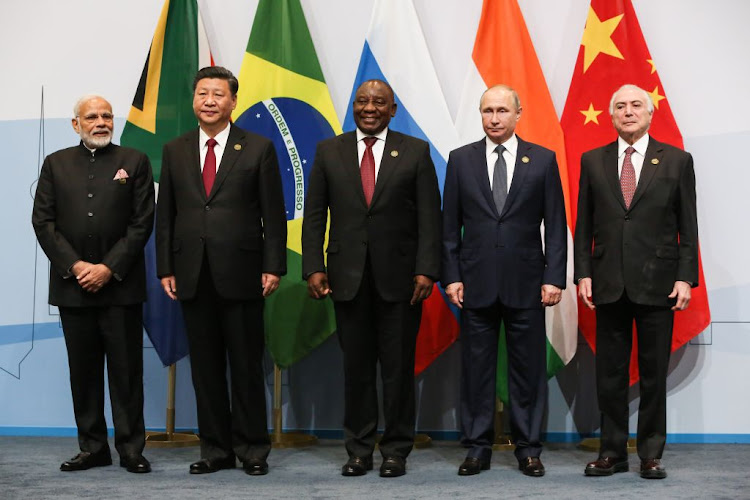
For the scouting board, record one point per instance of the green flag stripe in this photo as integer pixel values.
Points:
(277, 20)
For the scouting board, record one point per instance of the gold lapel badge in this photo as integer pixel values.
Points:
(122, 181)
(525, 159)
(655, 161)
(394, 153)
(237, 147)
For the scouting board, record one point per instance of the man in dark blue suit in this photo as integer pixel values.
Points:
(496, 268)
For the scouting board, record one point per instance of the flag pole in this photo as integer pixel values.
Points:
(502, 440)
(593, 444)
(170, 438)
(279, 438)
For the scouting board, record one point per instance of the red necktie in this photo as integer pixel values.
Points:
(367, 169)
(627, 177)
(209, 166)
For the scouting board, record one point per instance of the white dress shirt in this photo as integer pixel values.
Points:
(511, 149)
(377, 148)
(221, 144)
(636, 158)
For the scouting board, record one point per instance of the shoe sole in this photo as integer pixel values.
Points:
(652, 474)
(621, 467)
(74, 469)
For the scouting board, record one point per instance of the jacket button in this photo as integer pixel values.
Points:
(90, 195)
(91, 214)
(208, 208)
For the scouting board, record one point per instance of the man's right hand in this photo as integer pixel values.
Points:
(455, 292)
(169, 284)
(317, 285)
(584, 292)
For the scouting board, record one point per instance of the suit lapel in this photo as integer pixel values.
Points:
(194, 161)
(393, 142)
(651, 162)
(229, 158)
(350, 161)
(478, 163)
(610, 172)
(519, 172)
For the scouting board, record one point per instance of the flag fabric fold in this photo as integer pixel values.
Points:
(613, 52)
(283, 96)
(502, 25)
(162, 110)
(423, 113)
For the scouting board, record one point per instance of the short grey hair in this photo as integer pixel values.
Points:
(630, 86)
(83, 100)
(516, 99)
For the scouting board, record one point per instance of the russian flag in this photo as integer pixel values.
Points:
(395, 51)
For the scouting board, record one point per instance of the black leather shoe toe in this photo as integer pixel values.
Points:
(136, 464)
(255, 467)
(85, 460)
(209, 465)
(393, 467)
(472, 466)
(356, 466)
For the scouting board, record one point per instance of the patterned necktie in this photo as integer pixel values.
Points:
(209, 166)
(367, 169)
(627, 177)
(500, 180)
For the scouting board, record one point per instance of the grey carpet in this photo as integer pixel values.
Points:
(29, 469)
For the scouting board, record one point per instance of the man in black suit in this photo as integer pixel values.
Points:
(93, 213)
(498, 192)
(383, 259)
(221, 248)
(636, 259)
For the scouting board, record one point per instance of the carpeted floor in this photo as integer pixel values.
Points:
(29, 470)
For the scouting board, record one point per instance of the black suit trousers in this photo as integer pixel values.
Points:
(218, 330)
(527, 377)
(91, 335)
(371, 329)
(614, 334)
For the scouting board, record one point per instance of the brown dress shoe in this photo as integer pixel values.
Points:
(472, 466)
(356, 466)
(531, 466)
(606, 466)
(651, 468)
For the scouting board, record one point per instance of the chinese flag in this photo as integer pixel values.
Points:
(613, 52)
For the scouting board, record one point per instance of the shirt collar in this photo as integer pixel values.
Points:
(381, 135)
(221, 138)
(640, 146)
(511, 145)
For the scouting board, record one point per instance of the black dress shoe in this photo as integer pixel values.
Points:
(136, 464)
(255, 466)
(652, 468)
(606, 466)
(356, 466)
(86, 460)
(472, 466)
(531, 466)
(393, 467)
(209, 465)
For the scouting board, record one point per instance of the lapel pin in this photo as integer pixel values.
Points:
(655, 161)
(237, 147)
(394, 153)
(525, 159)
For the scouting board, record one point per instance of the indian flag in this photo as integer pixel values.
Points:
(283, 96)
(503, 53)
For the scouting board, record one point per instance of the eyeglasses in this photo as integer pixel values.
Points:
(92, 117)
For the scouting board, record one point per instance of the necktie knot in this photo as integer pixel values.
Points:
(370, 141)
(499, 149)
(211, 143)
(630, 150)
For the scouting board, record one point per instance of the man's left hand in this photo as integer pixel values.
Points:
(551, 295)
(422, 288)
(94, 277)
(270, 283)
(681, 291)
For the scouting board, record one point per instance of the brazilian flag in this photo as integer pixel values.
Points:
(283, 96)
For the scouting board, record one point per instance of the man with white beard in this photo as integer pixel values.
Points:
(93, 213)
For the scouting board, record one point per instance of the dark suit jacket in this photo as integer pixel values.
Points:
(400, 229)
(82, 213)
(500, 256)
(645, 249)
(241, 225)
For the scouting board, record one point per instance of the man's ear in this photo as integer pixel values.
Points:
(76, 125)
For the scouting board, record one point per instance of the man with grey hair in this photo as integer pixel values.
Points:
(93, 213)
(636, 260)
(497, 268)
